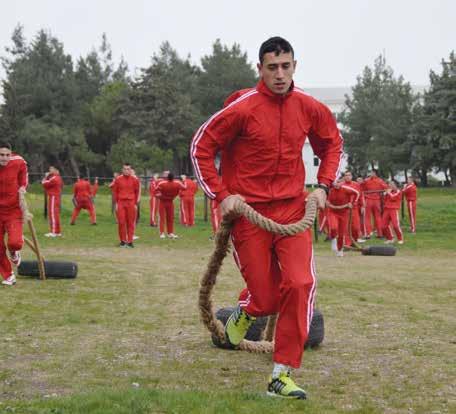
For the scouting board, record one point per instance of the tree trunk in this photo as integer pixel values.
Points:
(453, 177)
(73, 163)
(406, 175)
(423, 178)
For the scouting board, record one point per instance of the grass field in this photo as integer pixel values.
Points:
(125, 336)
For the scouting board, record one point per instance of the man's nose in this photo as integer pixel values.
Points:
(279, 73)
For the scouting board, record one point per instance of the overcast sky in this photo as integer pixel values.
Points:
(333, 39)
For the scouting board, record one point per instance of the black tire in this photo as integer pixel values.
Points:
(379, 251)
(253, 334)
(62, 270)
(315, 338)
(316, 331)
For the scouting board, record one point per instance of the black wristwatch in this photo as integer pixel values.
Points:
(323, 187)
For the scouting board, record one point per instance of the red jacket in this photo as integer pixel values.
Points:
(359, 200)
(393, 200)
(82, 190)
(53, 185)
(126, 188)
(94, 189)
(168, 190)
(153, 186)
(343, 195)
(13, 176)
(410, 192)
(261, 136)
(190, 190)
(371, 184)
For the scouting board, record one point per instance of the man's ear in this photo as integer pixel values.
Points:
(260, 68)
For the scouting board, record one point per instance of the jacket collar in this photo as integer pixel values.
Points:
(262, 88)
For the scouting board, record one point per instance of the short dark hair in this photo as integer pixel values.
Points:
(277, 45)
(5, 144)
(374, 170)
(170, 176)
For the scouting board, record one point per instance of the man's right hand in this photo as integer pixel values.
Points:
(227, 205)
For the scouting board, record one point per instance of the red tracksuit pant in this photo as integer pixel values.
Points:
(323, 221)
(280, 276)
(54, 213)
(126, 219)
(86, 205)
(373, 210)
(216, 215)
(10, 224)
(391, 216)
(411, 207)
(187, 211)
(356, 224)
(338, 226)
(166, 216)
(153, 203)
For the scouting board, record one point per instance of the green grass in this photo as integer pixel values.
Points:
(125, 336)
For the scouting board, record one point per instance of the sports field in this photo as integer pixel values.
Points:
(125, 335)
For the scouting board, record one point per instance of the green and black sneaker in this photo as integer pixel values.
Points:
(237, 325)
(283, 386)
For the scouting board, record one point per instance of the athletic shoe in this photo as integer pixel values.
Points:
(94, 224)
(15, 258)
(400, 242)
(10, 281)
(122, 244)
(50, 235)
(361, 241)
(173, 236)
(237, 325)
(389, 241)
(135, 237)
(58, 234)
(334, 245)
(162, 236)
(340, 253)
(72, 224)
(130, 245)
(283, 386)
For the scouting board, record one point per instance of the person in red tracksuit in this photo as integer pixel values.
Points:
(187, 201)
(410, 191)
(83, 199)
(153, 200)
(260, 134)
(125, 189)
(53, 186)
(391, 207)
(341, 199)
(94, 189)
(13, 180)
(167, 190)
(355, 211)
(362, 208)
(372, 187)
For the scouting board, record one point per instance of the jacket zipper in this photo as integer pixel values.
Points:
(280, 145)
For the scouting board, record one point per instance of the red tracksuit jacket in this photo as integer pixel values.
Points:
(343, 195)
(190, 190)
(393, 200)
(262, 149)
(13, 176)
(168, 190)
(82, 190)
(53, 185)
(410, 192)
(373, 183)
(126, 188)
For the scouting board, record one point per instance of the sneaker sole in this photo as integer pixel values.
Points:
(285, 397)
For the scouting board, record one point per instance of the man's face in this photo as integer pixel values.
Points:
(5, 155)
(347, 177)
(277, 71)
(126, 170)
(359, 180)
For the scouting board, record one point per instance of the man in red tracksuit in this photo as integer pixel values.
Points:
(167, 190)
(260, 133)
(153, 200)
(125, 190)
(53, 186)
(410, 191)
(341, 199)
(392, 204)
(372, 187)
(83, 199)
(355, 211)
(94, 189)
(362, 208)
(13, 179)
(187, 201)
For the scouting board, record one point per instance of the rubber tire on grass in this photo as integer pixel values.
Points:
(56, 270)
(255, 332)
(379, 251)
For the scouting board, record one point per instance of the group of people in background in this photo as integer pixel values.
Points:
(356, 210)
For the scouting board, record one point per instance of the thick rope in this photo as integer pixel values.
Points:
(209, 278)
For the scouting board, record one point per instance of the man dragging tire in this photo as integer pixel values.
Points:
(13, 179)
(260, 133)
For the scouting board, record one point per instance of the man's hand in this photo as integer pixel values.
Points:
(320, 195)
(227, 205)
(349, 205)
